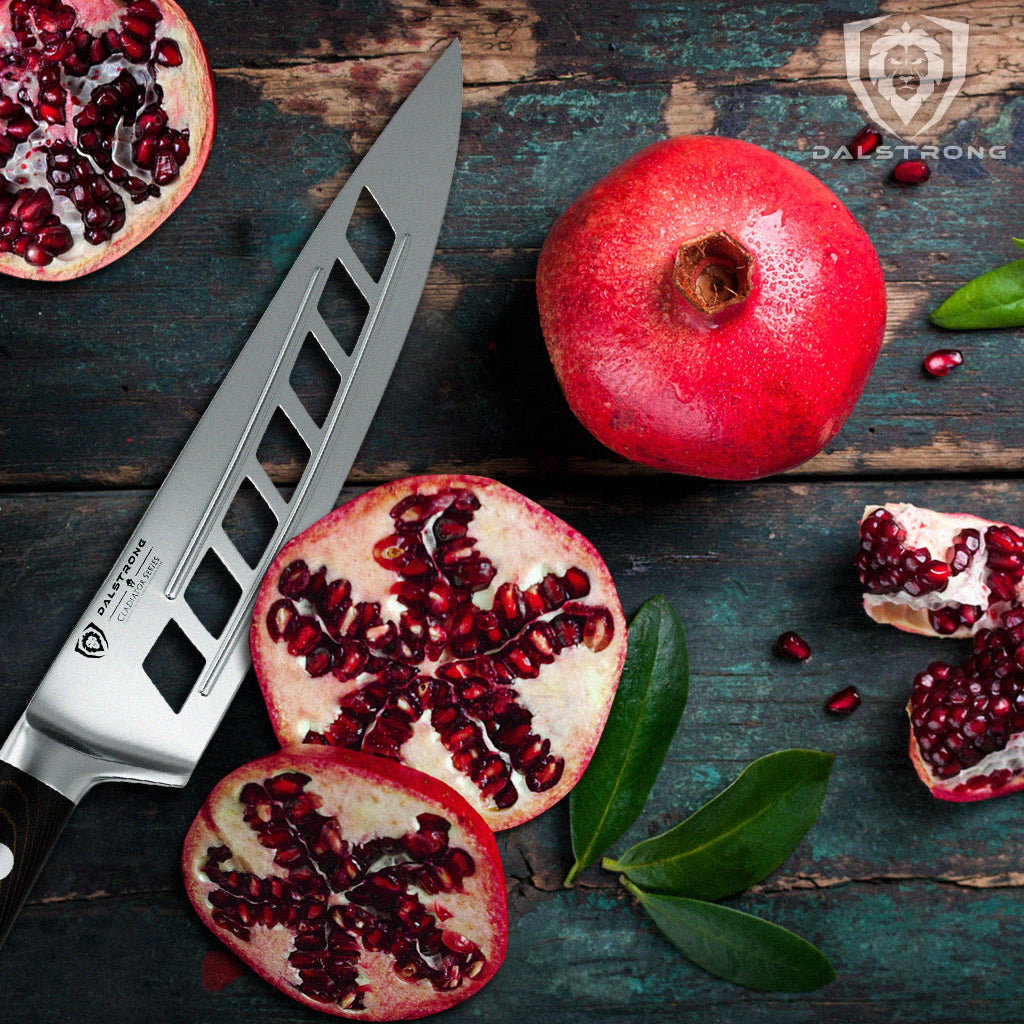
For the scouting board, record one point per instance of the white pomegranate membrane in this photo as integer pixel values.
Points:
(354, 885)
(106, 119)
(450, 623)
(955, 575)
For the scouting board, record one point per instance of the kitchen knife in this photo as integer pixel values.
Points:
(99, 713)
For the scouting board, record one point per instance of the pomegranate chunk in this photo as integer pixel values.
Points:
(450, 623)
(355, 885)
(967, 720)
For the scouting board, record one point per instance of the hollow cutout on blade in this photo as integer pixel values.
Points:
(314, 380)
(173, 665)
(281, 452)
(343, 307)
(250, 523)
(370, 234)
(212, 594)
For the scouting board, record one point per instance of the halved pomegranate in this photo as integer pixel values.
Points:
(355, 885)
(107, 117)
(955, 575)
(451, 623)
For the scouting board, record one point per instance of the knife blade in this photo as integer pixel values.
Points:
(98, 714)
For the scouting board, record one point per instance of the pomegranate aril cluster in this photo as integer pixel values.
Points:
(887, 565)
(447, 660)
(118, 145)
(340, 898)
(961, 714)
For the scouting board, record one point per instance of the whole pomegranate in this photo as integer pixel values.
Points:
(107, 117)
(451, 623)
(355, 885)
(955, 575)
(711, 308)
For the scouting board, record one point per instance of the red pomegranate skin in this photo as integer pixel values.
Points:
(751, 390)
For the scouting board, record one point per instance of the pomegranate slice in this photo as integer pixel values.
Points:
(955, 575)
(355, 885)
(453, 624)
(107, 117)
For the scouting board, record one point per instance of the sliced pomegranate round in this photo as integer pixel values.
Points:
(938, 573)
(107, 116)
(955, 575)
(355, 885)
(451, 623)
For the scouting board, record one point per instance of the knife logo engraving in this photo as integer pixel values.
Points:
(93, 642)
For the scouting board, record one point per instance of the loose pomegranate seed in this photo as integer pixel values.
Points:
(793, 646)
(843, 702)
(865, 142)
(942, 360)
(911, 172)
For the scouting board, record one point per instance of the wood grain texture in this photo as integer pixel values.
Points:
(103, 378)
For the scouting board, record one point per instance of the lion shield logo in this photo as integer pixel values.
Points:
(906, 74)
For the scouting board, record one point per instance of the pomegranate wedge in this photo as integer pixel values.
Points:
(355, 885)
(955, 575)
(453, 624)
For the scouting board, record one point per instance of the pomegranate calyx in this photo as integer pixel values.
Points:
(713, 272)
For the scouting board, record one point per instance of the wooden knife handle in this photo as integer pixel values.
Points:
(31, 817)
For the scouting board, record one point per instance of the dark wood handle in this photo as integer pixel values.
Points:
(31, 817)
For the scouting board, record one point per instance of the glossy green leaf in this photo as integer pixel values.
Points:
(994, 299)
(738, 838)
(644, 717)
(736, 946)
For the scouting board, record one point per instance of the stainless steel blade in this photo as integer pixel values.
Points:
(97, 714)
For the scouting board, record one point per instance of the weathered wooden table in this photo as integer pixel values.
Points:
(918, 903)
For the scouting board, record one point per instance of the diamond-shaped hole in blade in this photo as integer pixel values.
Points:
(250, 523)
(174, 665)
(315, 380)
(281, 452)
(212, 593)
(343, 308)
(370, 234)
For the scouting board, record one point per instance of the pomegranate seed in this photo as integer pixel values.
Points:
(791, 645)
(942, 360)
(865, 142)
(912, 172)
(167, 53)
(844, 701)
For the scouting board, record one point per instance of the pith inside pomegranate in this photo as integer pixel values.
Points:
(711, 308)
(355, 885)
(451, 623)
(106, 121)
(955, 575)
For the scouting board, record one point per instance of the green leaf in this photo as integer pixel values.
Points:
(741, 836)
(644, 717)
(994, 299)
(738, 947)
